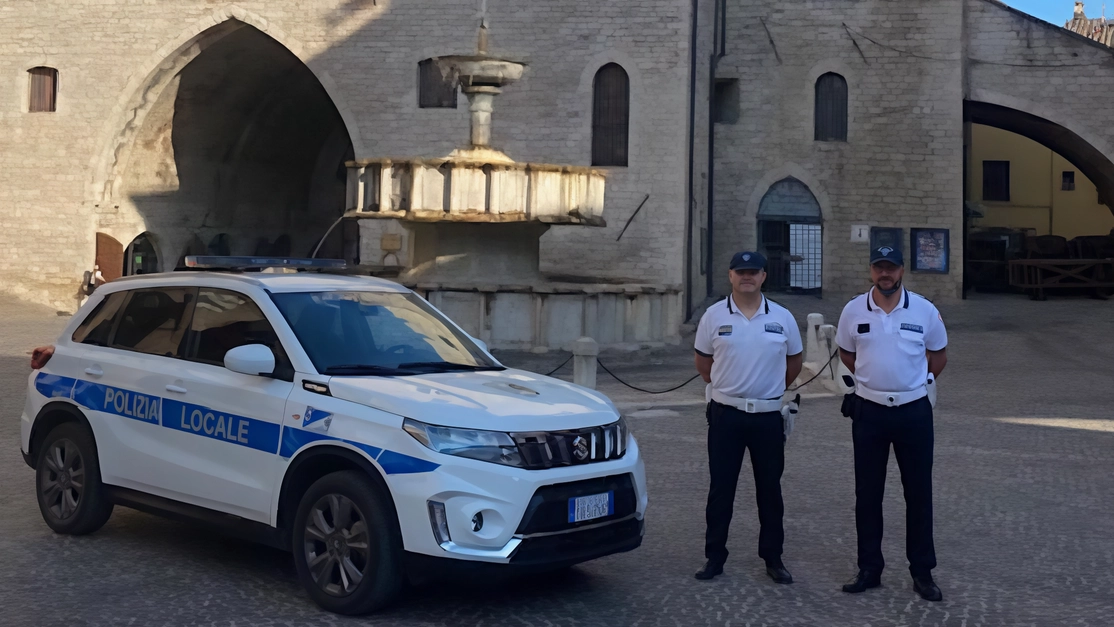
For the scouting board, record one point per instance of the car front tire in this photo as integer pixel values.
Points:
(346, 544)
(68, 481)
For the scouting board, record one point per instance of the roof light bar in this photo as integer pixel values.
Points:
(200, 262)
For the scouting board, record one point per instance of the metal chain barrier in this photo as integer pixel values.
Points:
(563, 364)
(820, 372)
(633, 387)
(827, 366)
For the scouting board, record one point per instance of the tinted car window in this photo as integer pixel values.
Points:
(97, 326)
(155, 321)
(223, 320)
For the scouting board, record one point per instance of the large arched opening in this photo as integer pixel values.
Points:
(1033, 190)
(243, 150)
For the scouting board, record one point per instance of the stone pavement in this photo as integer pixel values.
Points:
(1024, 479)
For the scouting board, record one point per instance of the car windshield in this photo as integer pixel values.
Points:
(373, 333)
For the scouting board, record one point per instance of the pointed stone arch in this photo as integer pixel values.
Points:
(147, 84)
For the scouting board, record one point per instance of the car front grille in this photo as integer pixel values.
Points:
(570, 448)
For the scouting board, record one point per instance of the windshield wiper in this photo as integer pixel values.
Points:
(357, 370)
(448, 365)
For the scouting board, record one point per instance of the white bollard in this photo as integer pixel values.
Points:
(584, 354)
(812, 339)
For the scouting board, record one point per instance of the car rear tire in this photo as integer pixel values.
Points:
(68, 481)
(346, 544)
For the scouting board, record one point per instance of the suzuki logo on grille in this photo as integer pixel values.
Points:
(580, 448)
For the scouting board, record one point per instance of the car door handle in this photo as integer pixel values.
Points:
(176, 388)
(94, 371)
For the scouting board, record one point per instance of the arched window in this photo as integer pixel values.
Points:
(831, 108)
(44, 89)
(610, 116)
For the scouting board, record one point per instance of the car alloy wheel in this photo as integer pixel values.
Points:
(63, 482)
(336, 547)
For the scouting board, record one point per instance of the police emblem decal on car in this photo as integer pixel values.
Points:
(313, 416)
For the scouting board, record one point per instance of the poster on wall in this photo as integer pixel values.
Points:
(930, 250)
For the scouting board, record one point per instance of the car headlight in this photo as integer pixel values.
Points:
(486, 446)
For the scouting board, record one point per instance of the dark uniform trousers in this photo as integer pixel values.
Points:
(730, 433)
(909, 429)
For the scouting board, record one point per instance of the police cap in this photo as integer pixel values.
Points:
(748, 261)
(885, 253)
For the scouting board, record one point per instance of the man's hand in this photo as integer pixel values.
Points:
(40, 356)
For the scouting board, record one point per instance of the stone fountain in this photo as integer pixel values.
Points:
(476, 183)
(464, 230)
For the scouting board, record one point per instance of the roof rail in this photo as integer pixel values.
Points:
(237, 264)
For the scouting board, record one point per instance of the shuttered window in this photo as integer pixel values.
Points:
(436, 90)
(610, 116)
(831, 108)
(44, 89)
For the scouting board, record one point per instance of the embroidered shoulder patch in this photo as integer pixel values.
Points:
(725, 330)
(916, 328)
(774, 327)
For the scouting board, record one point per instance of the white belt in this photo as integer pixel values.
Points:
(747, 405)
(891, 399)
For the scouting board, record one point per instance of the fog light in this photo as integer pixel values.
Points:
(478, 521)
(439, 521)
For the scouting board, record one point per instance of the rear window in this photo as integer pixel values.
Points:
(97, 326)
(155, 321)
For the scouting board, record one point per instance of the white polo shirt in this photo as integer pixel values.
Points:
(749, 355)
(890, 347)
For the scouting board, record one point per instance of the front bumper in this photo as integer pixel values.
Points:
(534, 555)
(524, 512)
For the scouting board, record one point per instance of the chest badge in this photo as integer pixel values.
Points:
(774, 327)
(864, 328)
(915, 328)
(726, 330)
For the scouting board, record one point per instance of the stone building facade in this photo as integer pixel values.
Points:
(239, 127)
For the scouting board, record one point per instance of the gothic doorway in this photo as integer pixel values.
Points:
(790, 235)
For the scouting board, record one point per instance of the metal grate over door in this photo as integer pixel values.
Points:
(805, 257)
(794, 254)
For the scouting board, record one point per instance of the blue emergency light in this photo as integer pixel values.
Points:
(210, 262)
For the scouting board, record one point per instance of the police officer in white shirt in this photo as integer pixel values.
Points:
(749, 350)
(894, 342)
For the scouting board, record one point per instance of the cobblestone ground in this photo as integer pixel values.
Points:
(1024, 479)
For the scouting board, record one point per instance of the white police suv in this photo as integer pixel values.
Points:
(340, 417)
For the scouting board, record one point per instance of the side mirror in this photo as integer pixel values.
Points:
(253, 359)
(482, 344)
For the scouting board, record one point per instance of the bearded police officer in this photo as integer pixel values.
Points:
(893, 341)
(748, 349)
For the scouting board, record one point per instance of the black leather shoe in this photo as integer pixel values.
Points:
(777, 571)
(927, 588)
(862, 582)
(711, 569)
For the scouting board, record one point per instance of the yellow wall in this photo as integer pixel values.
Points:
(1036, 199)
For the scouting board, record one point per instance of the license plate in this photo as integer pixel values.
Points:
(583, 508)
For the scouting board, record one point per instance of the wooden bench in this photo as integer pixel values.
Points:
(1037, 275)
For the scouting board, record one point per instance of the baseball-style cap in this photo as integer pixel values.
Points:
(748, 261)
(885, 253)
